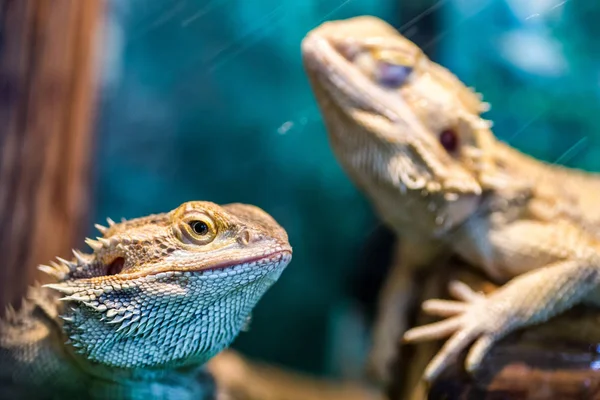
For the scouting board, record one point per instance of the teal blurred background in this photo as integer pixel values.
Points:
(208, 100)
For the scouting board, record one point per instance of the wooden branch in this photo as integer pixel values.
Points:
(48, 70)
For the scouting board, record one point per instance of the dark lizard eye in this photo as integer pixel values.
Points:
(199, 227)
(393, 75)
(449, 139)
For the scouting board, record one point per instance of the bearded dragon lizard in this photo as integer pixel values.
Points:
(411, 137)
(138, 317)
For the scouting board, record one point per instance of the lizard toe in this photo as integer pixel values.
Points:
(478, 352)
(436, 330)
(444, 308)
(448, 354)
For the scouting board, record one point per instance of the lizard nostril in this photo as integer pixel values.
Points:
(245, 237)
(116, 266)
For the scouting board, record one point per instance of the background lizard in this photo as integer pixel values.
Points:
(138, 317)
(410, 135)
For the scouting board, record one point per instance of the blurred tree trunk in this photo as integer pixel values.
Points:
(48, 69)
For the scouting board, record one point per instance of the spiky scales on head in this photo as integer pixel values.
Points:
(169, 289)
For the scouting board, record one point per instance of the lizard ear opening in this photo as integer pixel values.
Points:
(116, 266)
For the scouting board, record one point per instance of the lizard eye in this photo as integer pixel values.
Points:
(392, 68)
(392, 75)
(449, 140)
(198, 229)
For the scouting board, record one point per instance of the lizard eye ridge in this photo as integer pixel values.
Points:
(393, 75)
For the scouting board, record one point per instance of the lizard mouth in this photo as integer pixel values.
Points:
(270, 258)
(118, 265)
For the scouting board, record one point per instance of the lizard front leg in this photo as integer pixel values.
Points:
(529, 299)
(395, 302)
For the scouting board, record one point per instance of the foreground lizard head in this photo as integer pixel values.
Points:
(403, 127)
(170, 289)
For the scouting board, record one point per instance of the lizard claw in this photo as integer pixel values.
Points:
(469, 319)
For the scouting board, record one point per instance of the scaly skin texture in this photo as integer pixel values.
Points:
(410, 135)
(137, 318)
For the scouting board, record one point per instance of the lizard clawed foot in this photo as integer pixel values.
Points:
(471, 318)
